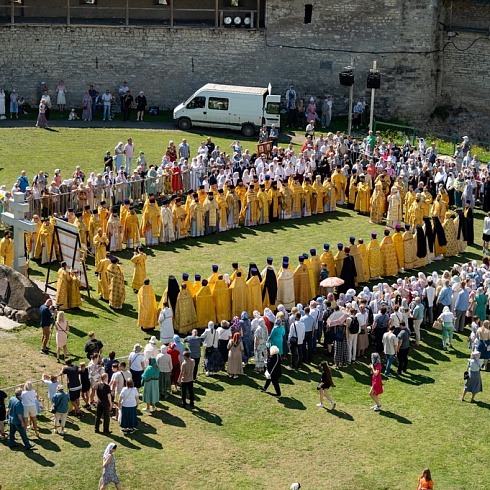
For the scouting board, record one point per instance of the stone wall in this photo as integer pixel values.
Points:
(169, 64)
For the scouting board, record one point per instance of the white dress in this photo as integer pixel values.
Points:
(2, 104)
(61, 98)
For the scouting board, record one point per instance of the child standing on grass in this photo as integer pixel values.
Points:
(376, 382)
(325, 384)
(85, 382)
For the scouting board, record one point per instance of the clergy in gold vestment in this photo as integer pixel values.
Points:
(185, 312)
(394, 215)
(188, 284)
(115, 280)
(7, 250)
(232, 208)
(205, 309)
(255, 292)
(339, 260)
(31, 238)
(377, 203)
(298, 198)
(409, 248)
(139, 274)
(363, 253)
(63, 287)
(416, 212)
(93, 227)
(320, 194)
(354, 180)
(222, 300)
(100, 242)
(452, 247)
(354, 252)
(101, 272)
(363, 196)
(195, 217)
(309, 197)
(147, 306)
(264, 200)
(328, 259)
(114, 233)
(400, 253)
(388, 255)
(103, 215)
(374, 255)
(307, 262)
(330, 196)
(124, 213)
(131, 229)
(213, 277)
(240, 296)
(250, 210)
(340, 183)
(439, 208)
(74, 297)
(427, 205)
(82, 229)
(286, 202)
(222, 211)
(211, 215)
(285, 287)
(316, 266)
(407, 202)
(302, 288)
(150, 223)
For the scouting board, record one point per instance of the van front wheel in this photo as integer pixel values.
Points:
(248, 130)
(185, 124)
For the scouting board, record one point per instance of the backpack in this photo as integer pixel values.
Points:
(92, 348)
(354, 325)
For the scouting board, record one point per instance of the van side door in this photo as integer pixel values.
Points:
(272, 110)
(218, 110)
(196, 110)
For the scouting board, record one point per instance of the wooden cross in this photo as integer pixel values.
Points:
(17, 220)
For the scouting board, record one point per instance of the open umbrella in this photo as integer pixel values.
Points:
(332, 282)
(337, 318)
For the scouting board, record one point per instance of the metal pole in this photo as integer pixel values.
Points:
(351, 99)
(258, 14)
(12, 12)
(127, 12)
(171, 14)
(68, 20)
(371, 114)
(216, 14)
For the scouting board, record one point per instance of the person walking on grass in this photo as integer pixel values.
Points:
(376, 382)
(273, 371)
(104, 404)
(186, 379)
(325, 384)
(15, 414)
(109, 474)
(60, 405)
(473, 382)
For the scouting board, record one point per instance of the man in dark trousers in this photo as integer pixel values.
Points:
(104, 404)
(186, 379)
(402, 348)
(93, 346)
(46, 314)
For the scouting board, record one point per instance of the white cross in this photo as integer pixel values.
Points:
(17, 220)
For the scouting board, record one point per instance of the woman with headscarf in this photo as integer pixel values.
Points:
(118, 155)
(278, 333)
(274, 371)
(247, 337)
(269, 319)
(128, 403)
(235, 352)
(151, 390)
(340, 343)
(260, 345)
(480, 300)
(376, 382)
(473, 382)
(447, 321)
(109, 474)
(170, 294)
(213, 362)
(176, 362)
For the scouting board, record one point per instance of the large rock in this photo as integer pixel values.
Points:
(20, 293)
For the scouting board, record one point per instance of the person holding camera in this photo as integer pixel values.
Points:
(46, 312)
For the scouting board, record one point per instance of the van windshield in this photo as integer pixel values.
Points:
(272, 108)
(197, 103)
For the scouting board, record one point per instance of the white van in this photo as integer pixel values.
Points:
(229, 106)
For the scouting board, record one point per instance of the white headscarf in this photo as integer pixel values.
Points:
(108, 450)
(270, 316)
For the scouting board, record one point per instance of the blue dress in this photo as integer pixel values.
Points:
(276, 336)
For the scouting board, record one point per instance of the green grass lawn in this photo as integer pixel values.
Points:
(238, 437)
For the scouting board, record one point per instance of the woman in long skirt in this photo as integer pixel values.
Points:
(260, 345)
(87, 107)
(473, 383)
(41, 118)
(340, 346)
(151, 389)
(128, 403)
(109, 474)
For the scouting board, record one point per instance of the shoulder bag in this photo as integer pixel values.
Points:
(293, 340)
(268, 375)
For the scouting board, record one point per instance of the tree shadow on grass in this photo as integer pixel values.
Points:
(291, 403)
(399, 418)
(76, 441)
(209, 417)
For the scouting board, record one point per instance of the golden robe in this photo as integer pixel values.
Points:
(363, 197)
(255, 293)
(263, 198)
(407, 203)
(439, 209)
(139, 274)
(286, 202)
(285, 288)
(330, 196)
(180, 225)
(409, 250)
(124, 213)
(240, 297)
(7, 251)
(250, 206)
(354, 252)
(222, 210)
(234, 273)
(378, 201)
(63, 289)
(195, 288)
(211, 208)
(131, 229)
(316, 266)
(327, 258)
(82, 231)
(233, 208)
(104, 217)
(185, 318)
(320, 194)
(196, 215)
(45, 241)
(100, 245)
(222, 301)
(151, 220)
(298, 198)
(87, 216)
(427, 203)
(302, 287)
(205, 309)
(353, 190)
(93, 227)
(307, 262)
(340, 183)
(309, 198)
(416, 214)
(388, 255)
(363, 253)
(452, 247)
(103, 283)
(75, 298)
(274, 199)
(212, 280)
(147, 307)
(400, 253)
(375, 260)
(339, 262)
(114, 234)
(115, 281)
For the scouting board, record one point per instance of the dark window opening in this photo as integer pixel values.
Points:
(308, 13)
